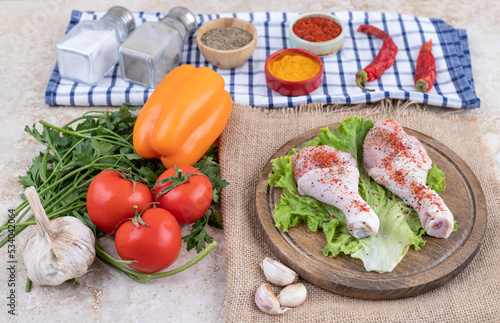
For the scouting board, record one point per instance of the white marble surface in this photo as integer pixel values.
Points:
(28, 33)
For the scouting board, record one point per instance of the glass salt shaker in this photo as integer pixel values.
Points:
(89, 50)
(155, 48)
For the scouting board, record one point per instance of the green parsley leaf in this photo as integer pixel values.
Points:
(198, 237)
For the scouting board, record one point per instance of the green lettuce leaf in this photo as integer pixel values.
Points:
(400, 226)
(435, 179)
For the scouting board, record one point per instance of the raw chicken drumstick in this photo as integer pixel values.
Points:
(331, 176)
(400, 163)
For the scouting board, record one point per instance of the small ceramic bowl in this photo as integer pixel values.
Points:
(227, 59)
(319, 48)
(290, 88)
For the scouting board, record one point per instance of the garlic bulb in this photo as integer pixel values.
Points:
(293, 295)
(267, 301)
(61, 249)
(277, 273)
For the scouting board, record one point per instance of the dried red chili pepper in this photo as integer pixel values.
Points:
(316, 29)
(425, 71)
(384, 59)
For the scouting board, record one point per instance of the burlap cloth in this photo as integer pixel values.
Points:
(251, 138)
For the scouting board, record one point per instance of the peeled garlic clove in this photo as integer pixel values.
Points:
(267, 301)
(293, 295)
(277, 273)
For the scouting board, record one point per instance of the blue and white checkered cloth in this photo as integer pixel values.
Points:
(454, 85)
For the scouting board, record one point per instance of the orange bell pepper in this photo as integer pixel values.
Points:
(183, 117)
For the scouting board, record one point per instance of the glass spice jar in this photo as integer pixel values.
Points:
(89, 50)
(155, 48)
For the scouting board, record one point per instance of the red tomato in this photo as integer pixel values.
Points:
(189, 201)
(111, 199)
(153, 247)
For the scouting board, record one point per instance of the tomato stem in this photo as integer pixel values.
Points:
(137, 219)
(176, 180)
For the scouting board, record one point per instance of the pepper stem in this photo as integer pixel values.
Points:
(421, 85)
(361, 79)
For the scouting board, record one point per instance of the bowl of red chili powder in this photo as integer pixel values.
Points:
(320, 33)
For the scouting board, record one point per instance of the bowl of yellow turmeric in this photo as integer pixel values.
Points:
(293, 71)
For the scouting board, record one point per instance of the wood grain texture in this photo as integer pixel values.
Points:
(435, 264)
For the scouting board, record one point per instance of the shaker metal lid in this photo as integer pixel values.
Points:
(185, 16)
(125, 15)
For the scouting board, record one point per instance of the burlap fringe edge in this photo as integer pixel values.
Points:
(397, 108)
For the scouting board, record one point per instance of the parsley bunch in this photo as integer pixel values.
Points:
(76, 152)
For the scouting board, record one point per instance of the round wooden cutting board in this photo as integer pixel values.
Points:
(436, 263)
